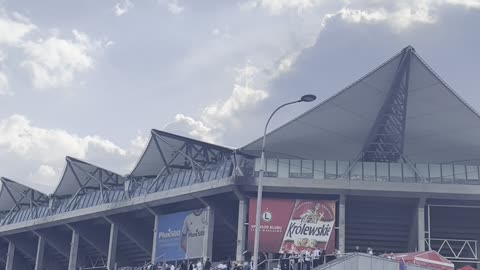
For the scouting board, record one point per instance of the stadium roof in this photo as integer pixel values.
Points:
(15, 195)
(400, 110)
(166, 149)
(80, 176)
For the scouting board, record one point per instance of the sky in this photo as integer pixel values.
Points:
(90, 79)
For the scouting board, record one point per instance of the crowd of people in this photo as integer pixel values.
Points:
(178, 265)
(301, 261)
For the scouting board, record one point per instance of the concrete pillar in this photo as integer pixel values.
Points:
(72, 262)
(413, 232)
(421, 224)
(341, 223)
(10, 256)
(155, 238)
(40, 254)
(241, 228)
(208, 238)
(112, 247)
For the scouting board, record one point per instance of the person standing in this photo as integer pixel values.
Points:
(199, 265)
(246, 266)
(208, 264)
(308, 260)
(229, 264)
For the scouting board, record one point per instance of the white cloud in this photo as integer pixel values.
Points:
(399, 14)
(193, 128)
(13, 28)
(55, 62)
(465, 3)
(52, 61)
(19, 137)
(38, 154)
(243, 96)
(211, 123)
(361, 16)
(4, 85)
(287, 62)
(42, 177)
(138, 144)
(278, 6)
(123, 7)
(174, 7)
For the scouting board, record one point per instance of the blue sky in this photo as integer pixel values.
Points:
(91, 78)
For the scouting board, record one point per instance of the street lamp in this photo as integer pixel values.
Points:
(305, 98)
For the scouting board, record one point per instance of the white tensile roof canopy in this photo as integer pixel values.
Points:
(401, 110)
(15, 196)
(169, 150)
(79, 177)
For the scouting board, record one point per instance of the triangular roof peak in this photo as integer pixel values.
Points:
(79, 176)
(402, 109)
(166, 149)
(15, 196)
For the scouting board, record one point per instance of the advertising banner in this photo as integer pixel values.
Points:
(293, 226)
(181, 235)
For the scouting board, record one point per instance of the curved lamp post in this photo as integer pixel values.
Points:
(305, 98)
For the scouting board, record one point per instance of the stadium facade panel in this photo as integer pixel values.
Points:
(390, 163)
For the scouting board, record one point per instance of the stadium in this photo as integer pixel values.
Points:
(390, 163)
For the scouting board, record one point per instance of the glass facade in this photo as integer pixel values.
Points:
(373, 171)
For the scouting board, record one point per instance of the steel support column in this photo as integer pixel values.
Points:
(40, 253)
(112, 247)
(208, 238)
(241, 228)
(155, 237)
(341, 223)
(421, 224)
(72, 262)
(10, 256)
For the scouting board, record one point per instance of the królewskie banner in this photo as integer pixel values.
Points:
(181, 235)
(293, 226)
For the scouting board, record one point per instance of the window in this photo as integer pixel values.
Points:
(382, 171)
(331, 169)
(283, 166)
(272, 168)
(319, 169)
(342, 168)
(396, 172)
(357, 171)
(435, 175)
(295, 168)
(459, 171)
(408, 173)
(369, 171)
(307, 168)
(447, 173)
(472, 172)
(423, 170)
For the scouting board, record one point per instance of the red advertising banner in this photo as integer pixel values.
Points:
(293, 226)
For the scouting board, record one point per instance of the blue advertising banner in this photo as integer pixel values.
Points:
(181, 235)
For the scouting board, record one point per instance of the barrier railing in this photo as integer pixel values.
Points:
(178, 179)
(454, 249)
